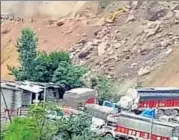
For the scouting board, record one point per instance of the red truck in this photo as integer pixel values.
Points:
(164, 100)
(134, 127)
(128, 126)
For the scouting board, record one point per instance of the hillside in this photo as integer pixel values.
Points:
(141, 45)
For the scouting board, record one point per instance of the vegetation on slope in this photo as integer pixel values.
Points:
(42, 67)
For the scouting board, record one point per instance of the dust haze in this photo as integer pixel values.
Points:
(50, 8)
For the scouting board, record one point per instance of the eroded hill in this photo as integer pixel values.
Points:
(141, 45)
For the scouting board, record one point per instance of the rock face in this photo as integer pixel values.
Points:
(134, 47)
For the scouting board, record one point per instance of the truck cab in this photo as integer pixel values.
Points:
(103, 128)
(111, 105)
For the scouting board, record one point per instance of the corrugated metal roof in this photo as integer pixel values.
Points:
(34, 89)
(43, 84)
(3, 85)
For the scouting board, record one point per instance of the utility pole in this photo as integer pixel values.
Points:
(6, 106)
(152, 120)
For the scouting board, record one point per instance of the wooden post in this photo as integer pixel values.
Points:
(45, 93)
(152, 120)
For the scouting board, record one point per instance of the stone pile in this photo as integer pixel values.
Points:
(134, 47)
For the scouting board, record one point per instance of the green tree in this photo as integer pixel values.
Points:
(26, 46)
(69, 75)
(105, 88)
(45, 67)
(47, 128)
(46, 64)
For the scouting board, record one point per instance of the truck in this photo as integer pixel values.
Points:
(78, 97)
(128, 126)
(164, 100)
(114, 106)
(98, 111)
(169, 118)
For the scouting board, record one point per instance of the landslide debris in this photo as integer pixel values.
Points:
(135, 44)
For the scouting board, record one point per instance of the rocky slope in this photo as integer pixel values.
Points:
(140, 46)
(54, 32)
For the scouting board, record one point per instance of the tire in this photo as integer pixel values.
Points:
(109, 135)
(130, 138)
(137, 112)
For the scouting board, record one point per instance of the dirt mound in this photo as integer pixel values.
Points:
(53, 22)
(52, 37)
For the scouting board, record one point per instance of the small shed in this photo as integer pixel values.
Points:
(30, 94)
(51, 91)
(10, 96)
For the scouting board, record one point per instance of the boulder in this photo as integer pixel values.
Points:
(102, 47)
(145, 70)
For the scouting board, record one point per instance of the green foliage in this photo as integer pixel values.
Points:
(35, 127)
(26, 46)
(46, 127)
(22, 129)
(38, 127)
(74, 125)
(69, 75)
(105, 88)
(46, 64)
(43, 67)
(78, 128)
(90, 136)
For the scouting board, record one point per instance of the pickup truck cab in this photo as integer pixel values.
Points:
(111, 105)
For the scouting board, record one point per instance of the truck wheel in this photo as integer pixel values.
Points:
(137, 112)
(175, 112)
(108, 135)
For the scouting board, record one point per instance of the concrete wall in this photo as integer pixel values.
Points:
(12, 97)
(52, 94)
